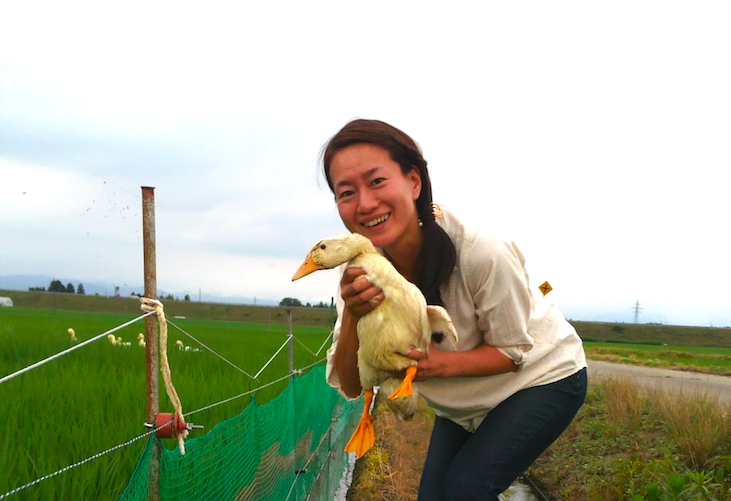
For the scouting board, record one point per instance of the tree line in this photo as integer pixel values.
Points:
(291, 301)
(58, 286)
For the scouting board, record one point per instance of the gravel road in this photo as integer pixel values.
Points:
(666, 379)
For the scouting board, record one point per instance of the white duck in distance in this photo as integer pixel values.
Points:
(401, 322)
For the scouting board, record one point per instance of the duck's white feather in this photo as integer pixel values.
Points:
(402, 321)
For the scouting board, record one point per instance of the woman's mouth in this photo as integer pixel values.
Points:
(377, 221)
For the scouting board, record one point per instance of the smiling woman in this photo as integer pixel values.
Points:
(518, 375)
(378, 173)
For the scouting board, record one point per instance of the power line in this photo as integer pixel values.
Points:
(69, 350)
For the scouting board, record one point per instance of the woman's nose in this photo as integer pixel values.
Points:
(367, 201)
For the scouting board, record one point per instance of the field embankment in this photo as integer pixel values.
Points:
(188, 309)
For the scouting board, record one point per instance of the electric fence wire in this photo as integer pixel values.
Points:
(69, 350)
(82, 462)
(129, 442)
(212, 351)
(273, 357)
(295, 372)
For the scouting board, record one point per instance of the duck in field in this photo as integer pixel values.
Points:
(402, 321)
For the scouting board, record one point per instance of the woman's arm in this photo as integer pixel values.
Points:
(360, 297)
(485, 360)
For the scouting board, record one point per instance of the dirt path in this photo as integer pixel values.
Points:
(666, 379)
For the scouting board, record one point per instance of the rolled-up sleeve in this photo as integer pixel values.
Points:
(499, 286)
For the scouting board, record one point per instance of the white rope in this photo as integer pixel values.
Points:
(273, 357)
(238, 396)
(69, 350)
(212, 351)
(324, 342)
(294, 372)
(304, 346)
(153, 305)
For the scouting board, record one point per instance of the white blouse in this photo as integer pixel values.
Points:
(490, 301)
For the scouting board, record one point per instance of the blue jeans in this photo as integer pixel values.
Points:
(464, 466)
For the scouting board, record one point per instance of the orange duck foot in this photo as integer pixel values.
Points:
(406, 389)
(364, 436)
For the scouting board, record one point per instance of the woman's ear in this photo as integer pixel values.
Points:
(415, 179)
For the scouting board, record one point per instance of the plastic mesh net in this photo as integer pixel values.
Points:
(289, 449)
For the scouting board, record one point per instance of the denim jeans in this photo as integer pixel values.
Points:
(464, 466)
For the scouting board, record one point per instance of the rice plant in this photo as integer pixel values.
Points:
(95, 397)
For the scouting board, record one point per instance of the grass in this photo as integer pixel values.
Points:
(94, 398)
(625, 444)
(708, 360)
(269, 315)
(657, 334)
(628, 444)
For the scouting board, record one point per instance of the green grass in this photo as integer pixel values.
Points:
(709, 360)
(95, 398)
(274, 315)
(630, 444)
(658, 334)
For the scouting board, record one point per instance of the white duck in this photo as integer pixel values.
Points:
(402, 321)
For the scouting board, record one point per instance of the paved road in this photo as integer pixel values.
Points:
(666, 379)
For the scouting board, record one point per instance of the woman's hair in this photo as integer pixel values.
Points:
(437, 257)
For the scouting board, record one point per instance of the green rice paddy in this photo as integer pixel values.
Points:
(95, 397)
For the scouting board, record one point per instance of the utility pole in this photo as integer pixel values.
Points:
(637, 308)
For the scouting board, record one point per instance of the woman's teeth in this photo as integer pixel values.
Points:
(381, 219)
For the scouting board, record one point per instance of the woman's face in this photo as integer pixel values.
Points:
(374, 197)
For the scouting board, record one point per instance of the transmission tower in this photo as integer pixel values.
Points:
(637, 308)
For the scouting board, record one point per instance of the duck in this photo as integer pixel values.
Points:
(402, 321)
(141, 340)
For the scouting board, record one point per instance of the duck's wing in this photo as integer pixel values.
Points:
(444, 334)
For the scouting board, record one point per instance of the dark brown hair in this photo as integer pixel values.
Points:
(437, 257)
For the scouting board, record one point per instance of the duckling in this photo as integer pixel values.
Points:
(400, 322)
(141, 340)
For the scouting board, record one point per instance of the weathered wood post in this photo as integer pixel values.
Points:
(151, 339)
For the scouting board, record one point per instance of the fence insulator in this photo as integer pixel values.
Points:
(169, 425)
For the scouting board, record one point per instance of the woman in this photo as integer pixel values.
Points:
(519, 375)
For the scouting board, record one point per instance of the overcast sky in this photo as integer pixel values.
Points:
(596, 135)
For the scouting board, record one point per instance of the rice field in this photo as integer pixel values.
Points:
(94, 398)
(710, 360)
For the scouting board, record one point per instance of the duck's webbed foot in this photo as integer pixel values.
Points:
(364, 436)
(406, 388)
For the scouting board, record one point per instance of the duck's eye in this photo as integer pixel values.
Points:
(322, 246)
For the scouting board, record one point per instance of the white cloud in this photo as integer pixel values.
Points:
(593, 135)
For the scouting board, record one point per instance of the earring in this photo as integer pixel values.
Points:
(421, 223)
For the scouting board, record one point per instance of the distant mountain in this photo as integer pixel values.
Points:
(24, 282)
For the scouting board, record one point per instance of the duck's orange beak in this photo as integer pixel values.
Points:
(307, 267)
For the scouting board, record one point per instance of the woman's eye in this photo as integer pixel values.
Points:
(377, 181)
(345, 194)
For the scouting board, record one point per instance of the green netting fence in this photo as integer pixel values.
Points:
(289, 449)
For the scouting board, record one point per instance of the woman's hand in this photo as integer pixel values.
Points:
(485, 360)
(360, 296)
(435, 364)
